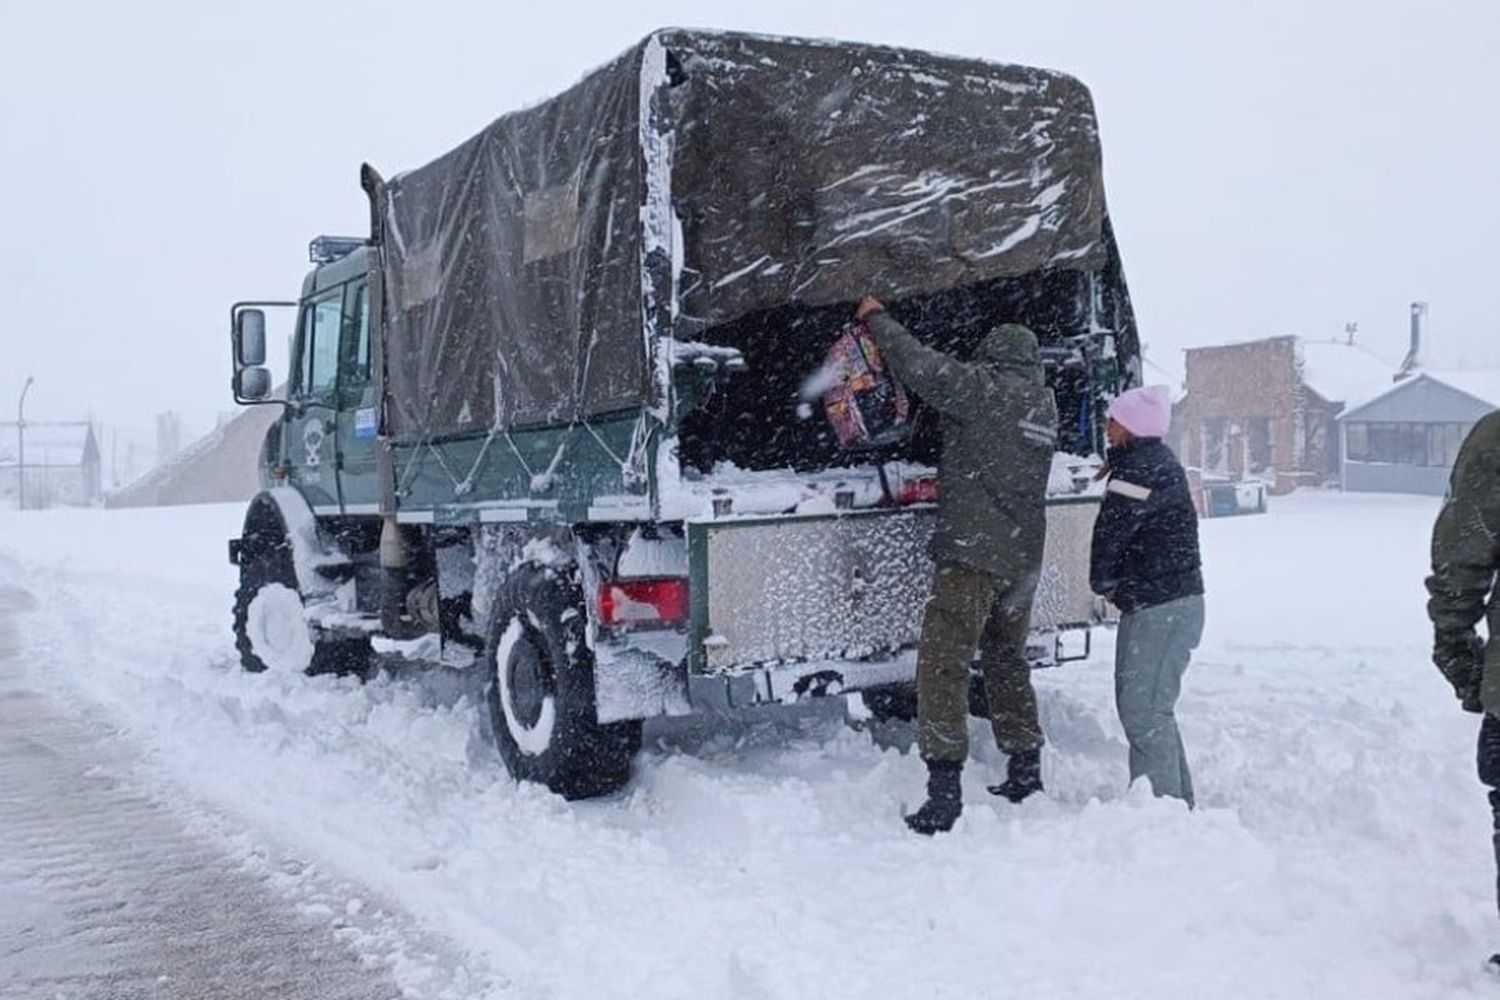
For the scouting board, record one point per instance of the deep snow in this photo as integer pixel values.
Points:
(1341, 847)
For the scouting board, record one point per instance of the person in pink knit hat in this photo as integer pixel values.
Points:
(1145, 561)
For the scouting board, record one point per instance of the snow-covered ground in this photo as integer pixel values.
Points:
(1341, 848)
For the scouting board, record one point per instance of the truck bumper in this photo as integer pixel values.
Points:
(642, 682)
(788, 683)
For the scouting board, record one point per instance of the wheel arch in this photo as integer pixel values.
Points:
(282, 517)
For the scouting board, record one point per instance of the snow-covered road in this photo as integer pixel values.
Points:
(1342, 846)
(108, 896)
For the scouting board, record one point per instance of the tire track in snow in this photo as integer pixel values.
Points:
(108, 896)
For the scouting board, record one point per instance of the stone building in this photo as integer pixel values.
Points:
(1268, 409)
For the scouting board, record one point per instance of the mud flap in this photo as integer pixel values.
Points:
(633, 683)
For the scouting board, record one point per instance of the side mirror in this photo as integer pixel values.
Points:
(250, 338)
(253, 383)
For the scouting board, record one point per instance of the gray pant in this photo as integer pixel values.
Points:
(1152, 649)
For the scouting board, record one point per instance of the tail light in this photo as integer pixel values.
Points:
(924, 490)
(645, 603)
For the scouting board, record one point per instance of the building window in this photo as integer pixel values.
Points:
(1216, 445)
(1443, 443)
(1259, 442)
(1357, 442)
(1390, 443)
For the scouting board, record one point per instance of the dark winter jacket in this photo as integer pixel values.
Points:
(999, 434)
(1465, 560)
(1146, 538)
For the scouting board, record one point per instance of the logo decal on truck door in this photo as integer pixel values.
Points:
(312, 439)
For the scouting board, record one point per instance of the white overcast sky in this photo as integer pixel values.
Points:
(1271, 167)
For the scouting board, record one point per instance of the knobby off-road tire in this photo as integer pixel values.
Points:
(541, 690)
(892, 702)
(270, 631)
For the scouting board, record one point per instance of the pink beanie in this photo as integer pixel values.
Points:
(1144, 412)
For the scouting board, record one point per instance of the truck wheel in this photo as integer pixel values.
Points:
(892, 702)
(541, 690)
(270, 630)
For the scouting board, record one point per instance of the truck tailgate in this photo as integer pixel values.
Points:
(849, 585)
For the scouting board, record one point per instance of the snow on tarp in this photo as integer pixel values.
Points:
(516, 266)
(813, 171)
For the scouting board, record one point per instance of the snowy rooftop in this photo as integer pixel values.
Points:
(1346, 373)
(1337, 370)
(1483, 384)
(54, 444)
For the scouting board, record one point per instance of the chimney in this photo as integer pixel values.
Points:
(1414, 352)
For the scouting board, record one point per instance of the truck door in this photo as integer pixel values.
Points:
(308, 445)
(357, 411)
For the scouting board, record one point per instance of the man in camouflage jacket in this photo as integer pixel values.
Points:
(1461, 589)
(999, 423)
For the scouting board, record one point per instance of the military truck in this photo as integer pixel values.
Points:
(549, 420)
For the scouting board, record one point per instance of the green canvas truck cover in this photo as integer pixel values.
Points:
(523, 271)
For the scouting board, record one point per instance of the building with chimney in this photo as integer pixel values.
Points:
(1405, 439)
(1267, 410)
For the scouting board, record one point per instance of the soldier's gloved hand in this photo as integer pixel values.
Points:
(1470, 700)
(1460, 656)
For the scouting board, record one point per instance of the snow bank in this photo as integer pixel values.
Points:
(1342, 846)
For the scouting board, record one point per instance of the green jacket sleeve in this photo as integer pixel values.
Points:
(1466, 537)
(948, 385)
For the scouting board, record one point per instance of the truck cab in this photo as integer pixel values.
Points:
(325, 445)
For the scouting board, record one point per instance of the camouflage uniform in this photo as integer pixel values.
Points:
(1465, 558)
(1461, 589)
(999, 423)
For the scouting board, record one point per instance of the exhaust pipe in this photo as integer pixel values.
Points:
(392, 579)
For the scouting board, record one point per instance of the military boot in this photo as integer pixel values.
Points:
(945, 801)
(1023, 776)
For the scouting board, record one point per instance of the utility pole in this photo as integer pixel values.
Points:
(21, 446)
